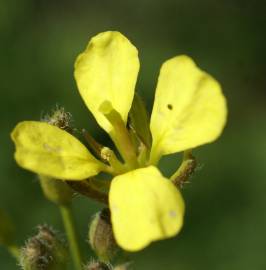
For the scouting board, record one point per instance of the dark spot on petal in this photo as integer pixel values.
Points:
(170, 106)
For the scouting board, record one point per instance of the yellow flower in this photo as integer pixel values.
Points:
(189, 110)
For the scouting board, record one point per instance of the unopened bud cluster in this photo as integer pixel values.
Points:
(98, 265)
(45, 251)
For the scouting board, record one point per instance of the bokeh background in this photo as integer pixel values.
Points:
(225, 218)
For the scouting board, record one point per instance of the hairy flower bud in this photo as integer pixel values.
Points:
(101, 236)
(48, 235)
(186, 169)
(44, 252)
(56, 190)
(60, 118)
(97, 265)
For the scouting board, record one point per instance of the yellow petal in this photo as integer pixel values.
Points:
(107, 71)
(189, 108)
(145, 207)
(49, 150)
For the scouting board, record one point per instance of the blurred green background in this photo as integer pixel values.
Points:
(225, 219)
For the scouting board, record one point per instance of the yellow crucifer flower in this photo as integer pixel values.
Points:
(189, 110)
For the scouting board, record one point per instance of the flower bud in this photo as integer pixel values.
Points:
(186, 169)
(44, 252)
(59, 118)
(6, 229)
(101, 236)
(56, 190)
(48, 235)
(97, 265)
(35, 255)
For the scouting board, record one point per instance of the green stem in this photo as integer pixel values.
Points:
(14, 250)
(70, 229)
